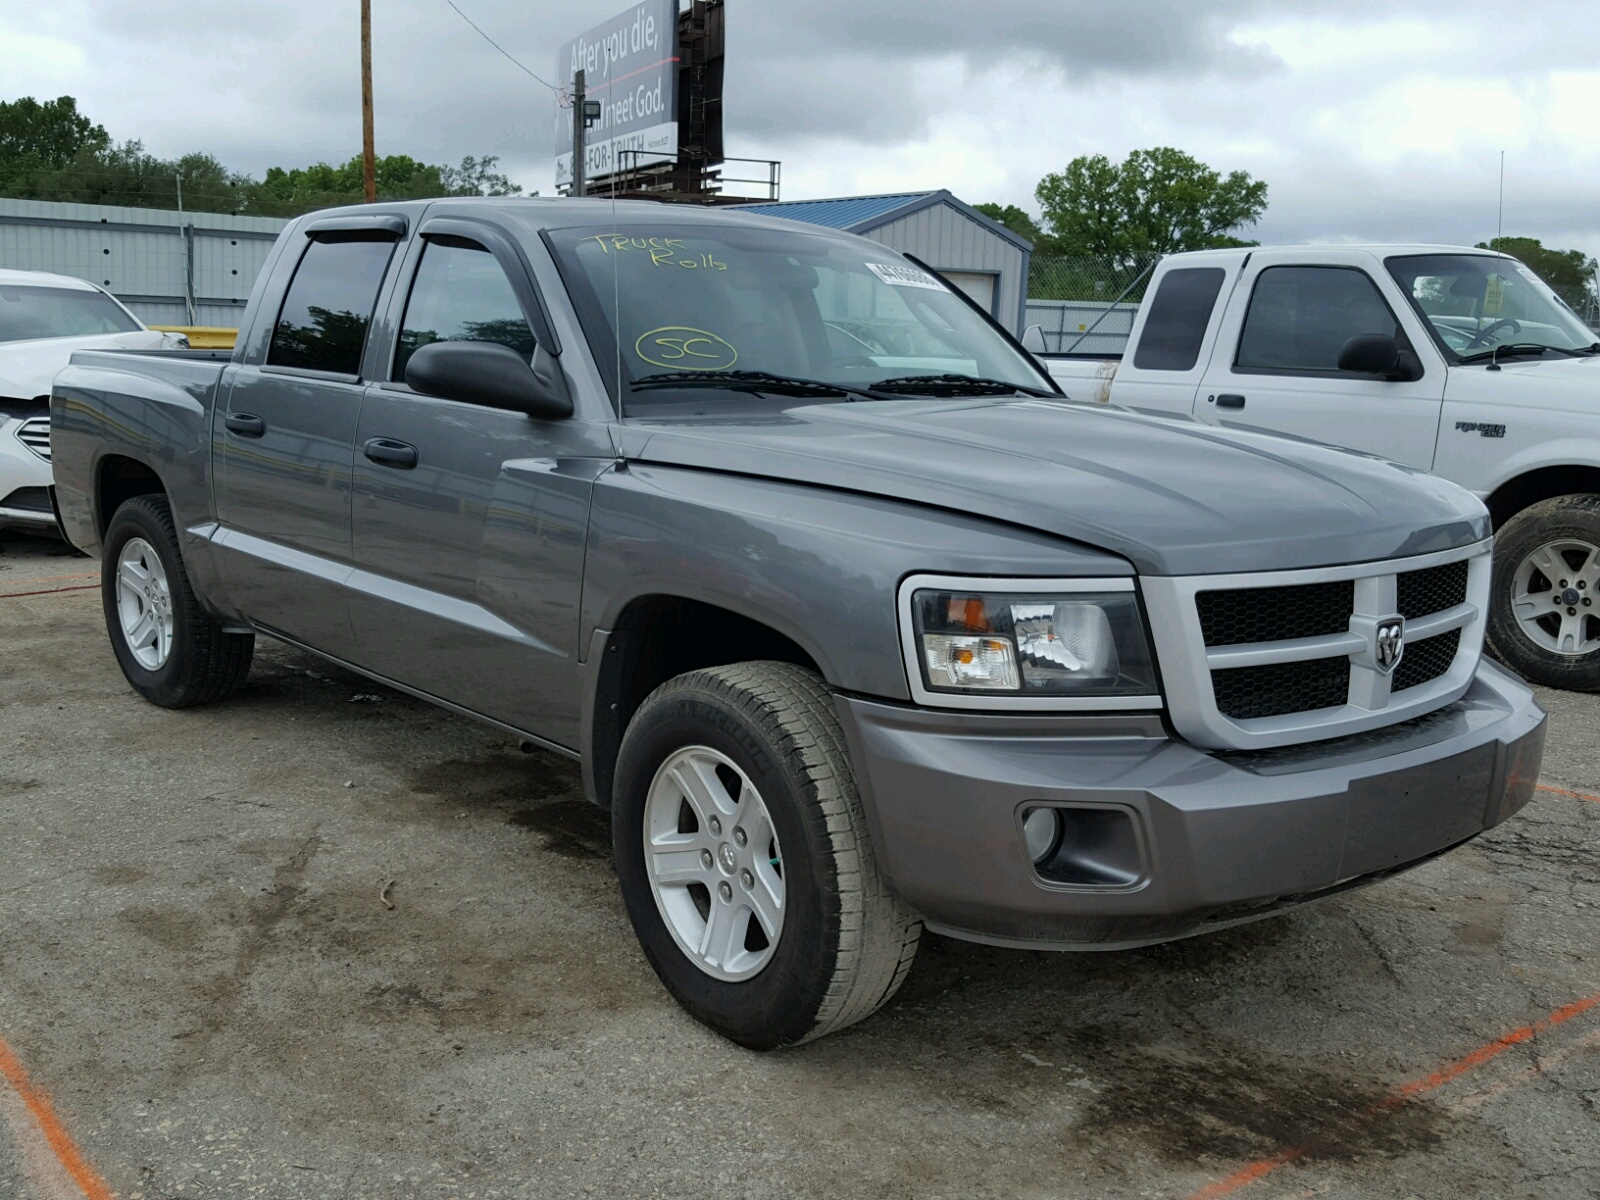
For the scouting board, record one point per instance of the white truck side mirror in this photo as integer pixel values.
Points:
(1033, 340)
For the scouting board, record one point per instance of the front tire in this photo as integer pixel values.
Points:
(1544, 611)
(745, 864)
(169, 648)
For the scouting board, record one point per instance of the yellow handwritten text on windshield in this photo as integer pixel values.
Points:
(663, 252)
(680, 348)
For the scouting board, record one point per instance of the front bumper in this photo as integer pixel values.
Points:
(25, 480)
(1220, 837)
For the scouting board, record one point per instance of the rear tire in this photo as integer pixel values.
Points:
(765, 733)
(1544, 609)
(169, 648)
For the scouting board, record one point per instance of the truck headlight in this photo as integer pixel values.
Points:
(1008, 639)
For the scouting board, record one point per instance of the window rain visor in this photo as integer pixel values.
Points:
(683, 303)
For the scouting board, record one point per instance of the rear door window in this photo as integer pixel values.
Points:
(461, 295)
(323, 323)
(1301, 317)
(1176, 325)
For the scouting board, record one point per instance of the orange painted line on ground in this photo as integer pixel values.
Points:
(55, 1133)
(88, 587)
(1563, 792)
(1542, 1066)
(1245, 1176)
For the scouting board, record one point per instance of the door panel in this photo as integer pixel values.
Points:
(286, 438)
(469, 557)
(470, 564)
(1275, 369)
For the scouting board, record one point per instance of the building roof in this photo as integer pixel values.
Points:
(862, 214)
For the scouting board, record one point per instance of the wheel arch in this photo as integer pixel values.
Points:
(654, 638)
(1538, 484)
(118, 478)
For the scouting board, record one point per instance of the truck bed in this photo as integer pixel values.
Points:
(111, 407)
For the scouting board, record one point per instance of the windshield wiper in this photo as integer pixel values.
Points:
(953, 385)
(755, 382)
(1516, 348)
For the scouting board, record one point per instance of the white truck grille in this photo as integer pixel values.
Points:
(1262, 660)
(34, 433)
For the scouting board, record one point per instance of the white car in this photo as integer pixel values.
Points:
(43, 319)
(1452, 360)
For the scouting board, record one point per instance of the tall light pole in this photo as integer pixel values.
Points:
(369, 179)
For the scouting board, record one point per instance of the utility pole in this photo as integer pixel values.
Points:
(369, 180)
(579, 124)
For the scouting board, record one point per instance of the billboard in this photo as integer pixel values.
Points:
(631, 67)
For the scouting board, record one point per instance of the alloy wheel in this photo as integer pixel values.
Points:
(712, 858)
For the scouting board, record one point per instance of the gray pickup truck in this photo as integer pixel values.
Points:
(857, 625)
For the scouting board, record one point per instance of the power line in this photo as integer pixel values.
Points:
(499, 47)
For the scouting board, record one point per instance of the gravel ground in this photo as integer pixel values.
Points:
(199, 968)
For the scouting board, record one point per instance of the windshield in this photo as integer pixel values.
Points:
(27, 313)
(714, 314)
(1476, 303)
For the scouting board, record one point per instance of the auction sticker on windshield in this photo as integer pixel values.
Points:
(900, 276)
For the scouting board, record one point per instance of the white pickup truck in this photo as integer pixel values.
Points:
(1456, 361)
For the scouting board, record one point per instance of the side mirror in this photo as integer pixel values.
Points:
(1033, 340)
(492, 375)
(1371, 354)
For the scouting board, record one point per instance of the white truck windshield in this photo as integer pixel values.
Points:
(679, 305)
(1478, 303)
(30, 313)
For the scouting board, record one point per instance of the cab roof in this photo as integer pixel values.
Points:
(558, 212)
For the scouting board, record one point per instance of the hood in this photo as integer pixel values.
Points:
(1550, 382)
(1172, 497)
(27, 368)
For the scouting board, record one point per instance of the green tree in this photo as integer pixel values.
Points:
(128, 175)
(1157, 201)
(478, 177)
(287, 193)
(51, 151)
(42, 137)
(1570, 273)
(1018, 222)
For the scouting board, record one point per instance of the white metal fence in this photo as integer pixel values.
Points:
(1067, 325)
(169, 267)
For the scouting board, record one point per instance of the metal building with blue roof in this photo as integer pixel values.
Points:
(978, 255)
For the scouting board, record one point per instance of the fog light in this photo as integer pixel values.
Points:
(1041, 833)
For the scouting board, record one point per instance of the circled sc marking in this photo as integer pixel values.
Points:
(680, 348)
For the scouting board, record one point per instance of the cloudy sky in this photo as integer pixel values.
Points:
(1370, 119)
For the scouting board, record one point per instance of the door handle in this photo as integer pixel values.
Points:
(245, 425)
(1230, 400)
(387, 452)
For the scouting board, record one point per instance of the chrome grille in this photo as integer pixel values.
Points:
(1233, 618)
(1422, 593)
(1426, 661)
(1278, 658)
(1272, 689)
(34, 433)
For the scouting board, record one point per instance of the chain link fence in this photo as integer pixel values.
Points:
(1083, 304)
